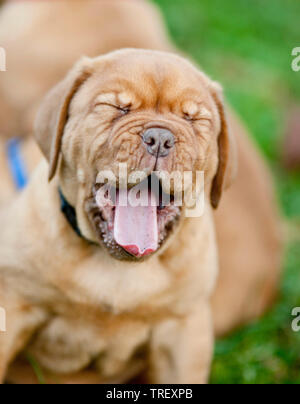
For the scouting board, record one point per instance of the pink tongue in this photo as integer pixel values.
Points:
(135, 228)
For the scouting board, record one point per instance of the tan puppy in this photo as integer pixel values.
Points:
(163, 303)
(96, 118)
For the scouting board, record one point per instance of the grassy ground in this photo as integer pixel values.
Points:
(246, 45)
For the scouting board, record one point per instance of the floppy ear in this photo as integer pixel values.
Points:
(227, 168)
(53, 114)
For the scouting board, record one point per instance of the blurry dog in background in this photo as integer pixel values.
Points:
(71, 303)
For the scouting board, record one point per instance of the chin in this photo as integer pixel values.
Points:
(132, 233)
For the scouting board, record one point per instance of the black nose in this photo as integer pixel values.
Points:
(159, 141)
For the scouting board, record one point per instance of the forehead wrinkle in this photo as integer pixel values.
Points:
(144, 83)
(151, 90)
(115, 85)
(192, 94)
(136, 91)
(106, 97)
(125, 98)
(190, 107)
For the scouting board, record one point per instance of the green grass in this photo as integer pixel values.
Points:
(246, 45)
(36, 368)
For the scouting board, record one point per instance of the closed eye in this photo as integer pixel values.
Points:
(187, 117)
(196, 119)
(190, 118)
(124, 110)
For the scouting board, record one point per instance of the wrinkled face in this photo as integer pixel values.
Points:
(148, 111)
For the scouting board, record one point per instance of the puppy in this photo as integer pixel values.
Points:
(149, 312)
(84, 306)
(85, 298)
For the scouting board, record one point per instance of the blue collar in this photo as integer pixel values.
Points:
(16, 163)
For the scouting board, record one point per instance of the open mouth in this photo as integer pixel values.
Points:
(133, 223)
